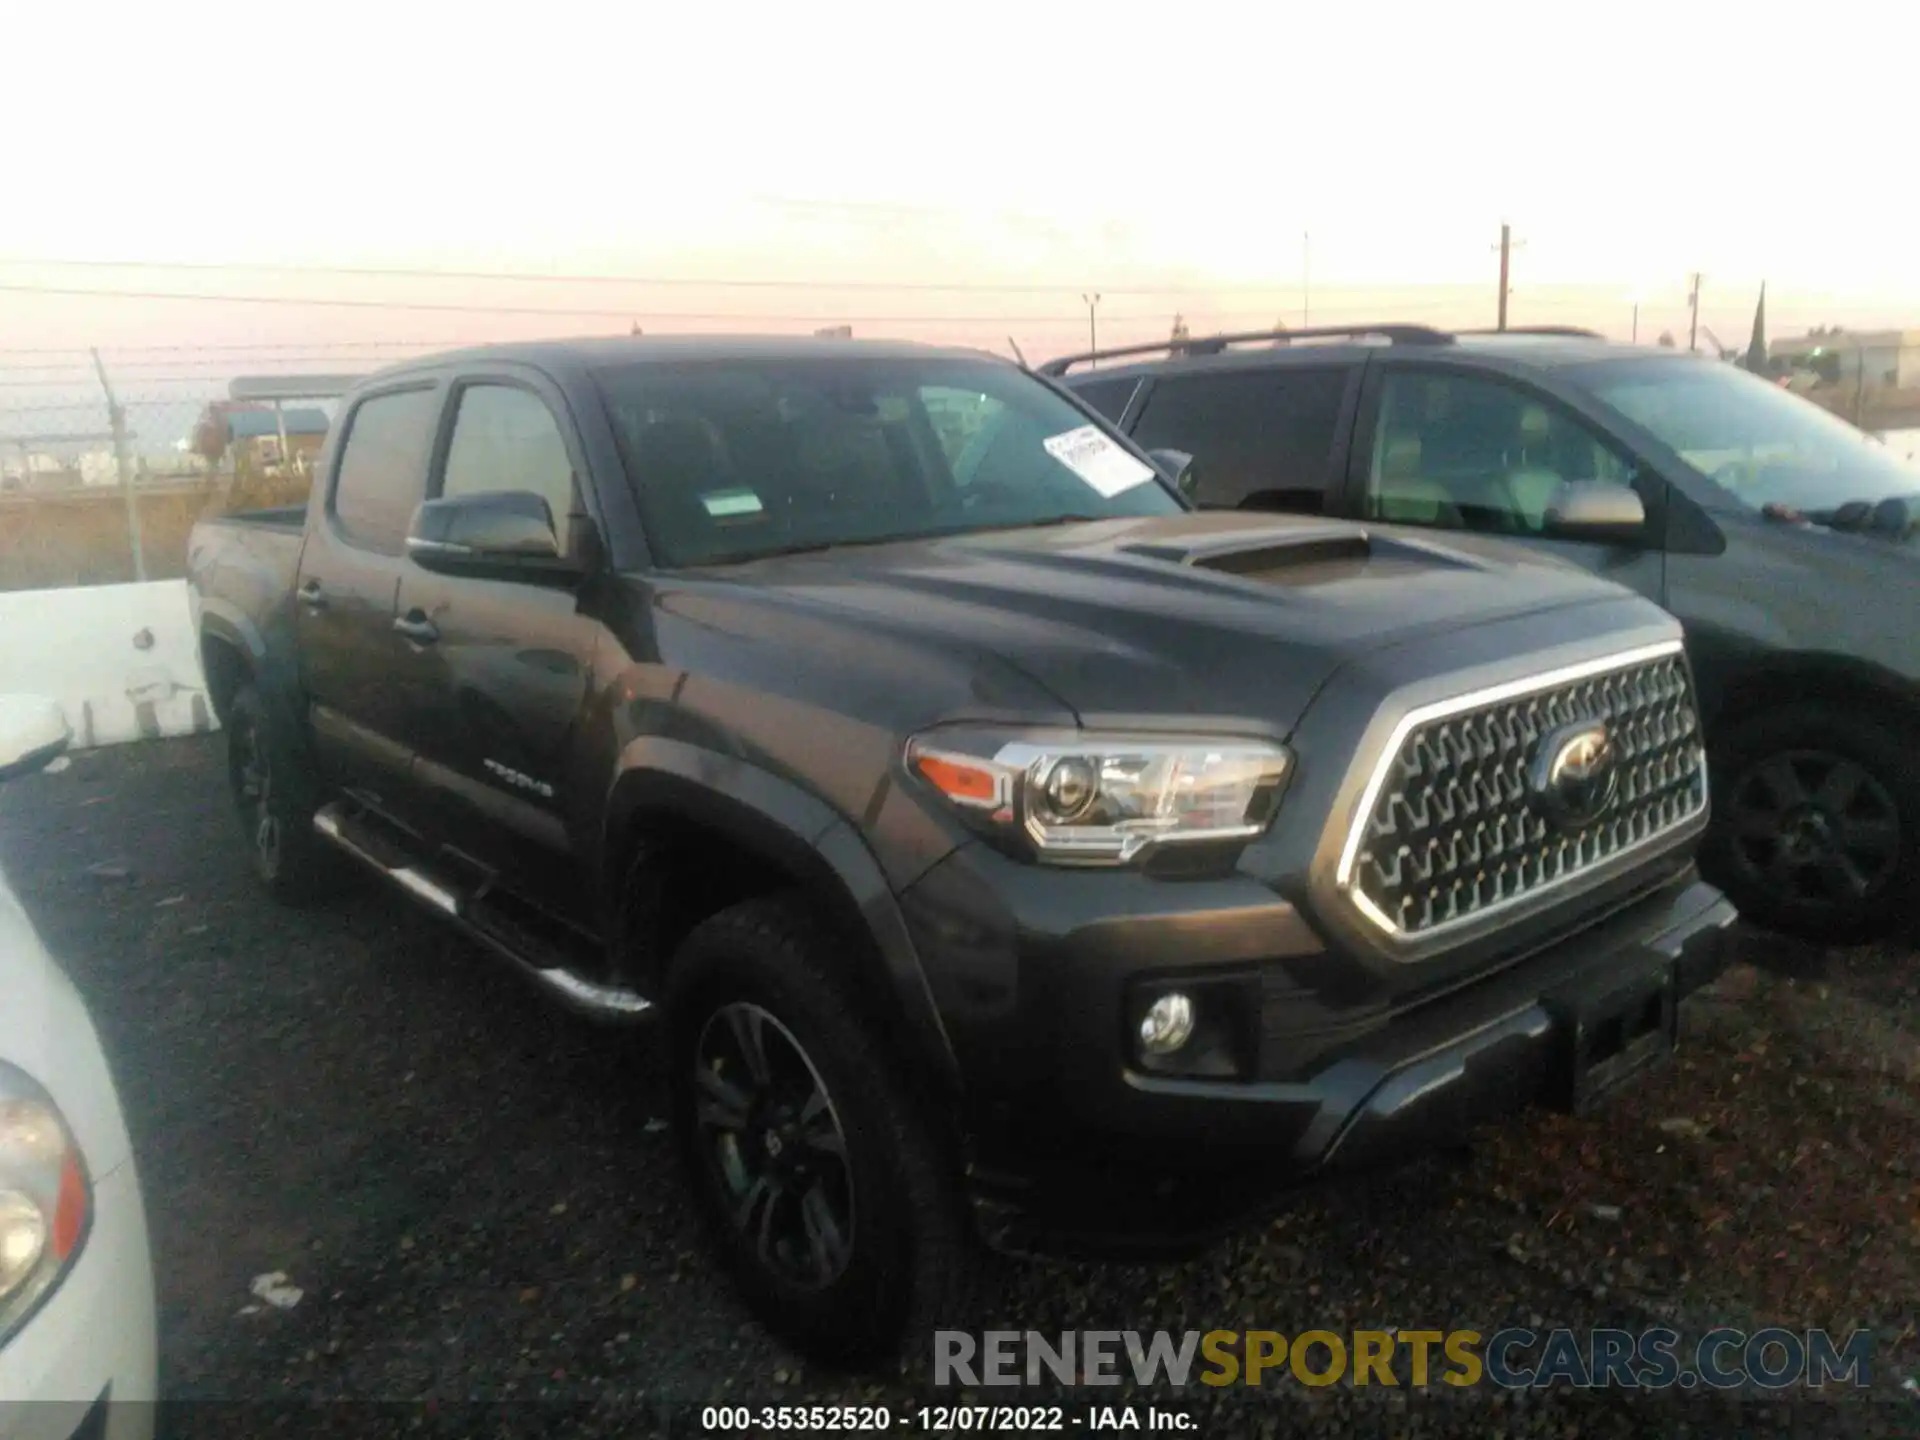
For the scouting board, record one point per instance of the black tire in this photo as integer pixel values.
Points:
(275, 794)
(891, 1197)
(1816, 828)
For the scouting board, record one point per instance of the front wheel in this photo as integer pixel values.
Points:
(831, 1196)
(1816, 828)
(276, 796)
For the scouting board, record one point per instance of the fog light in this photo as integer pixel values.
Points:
(1168, 1024)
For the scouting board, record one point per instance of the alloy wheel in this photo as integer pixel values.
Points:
(1815, 826)
(774, 1144)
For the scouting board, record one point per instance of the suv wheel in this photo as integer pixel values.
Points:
(276, 797)
(1816, 827)
(830, 1197)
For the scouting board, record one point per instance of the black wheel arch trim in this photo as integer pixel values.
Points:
(1777, 680)
(266, 666)
(783, 824)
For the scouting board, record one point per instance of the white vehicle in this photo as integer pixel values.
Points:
(76, 1281)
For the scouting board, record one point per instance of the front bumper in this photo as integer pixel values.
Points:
(1350, 1064)
(84, 1363)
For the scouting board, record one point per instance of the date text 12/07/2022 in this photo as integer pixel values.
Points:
(944, 1419)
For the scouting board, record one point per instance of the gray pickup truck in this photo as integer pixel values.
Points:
(979, 822)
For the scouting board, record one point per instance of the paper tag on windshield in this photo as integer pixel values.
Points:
(1097, 460)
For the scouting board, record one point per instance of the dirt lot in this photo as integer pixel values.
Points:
(476, 1198)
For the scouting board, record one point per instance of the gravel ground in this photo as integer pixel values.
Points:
(477, 1199)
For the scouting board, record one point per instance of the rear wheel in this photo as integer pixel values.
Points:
(1816, 827)
(276, 796)
(830, 1193)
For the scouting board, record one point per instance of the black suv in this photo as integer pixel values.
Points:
(982, 822)
(1780, 536)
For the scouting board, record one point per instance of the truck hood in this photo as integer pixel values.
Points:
(1193, 615)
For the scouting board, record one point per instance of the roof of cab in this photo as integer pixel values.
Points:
(604, 351)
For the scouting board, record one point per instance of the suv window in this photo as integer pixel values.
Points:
(1109, 397)
(1757, 442)
(505, 438)
(1262, 438)
(1475, 453)
(382, 475)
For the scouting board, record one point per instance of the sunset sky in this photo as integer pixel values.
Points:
(954, 172)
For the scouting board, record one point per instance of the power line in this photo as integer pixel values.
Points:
(624, 313)
(189, 361)
(391, 272)
(243, 345)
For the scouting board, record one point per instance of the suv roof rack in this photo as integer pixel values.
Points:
(1572, 332)
(1214, 344)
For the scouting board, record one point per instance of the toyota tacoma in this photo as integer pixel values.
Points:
(997, 846)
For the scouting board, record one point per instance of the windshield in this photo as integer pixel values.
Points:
(734, 459)
(1756, 441)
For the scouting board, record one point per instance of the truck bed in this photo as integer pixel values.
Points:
(279, 517)
(245, 562)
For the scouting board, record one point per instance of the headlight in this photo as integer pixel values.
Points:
(44, 1204)
(1090, 799)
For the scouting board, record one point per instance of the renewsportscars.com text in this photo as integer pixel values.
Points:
(1654, 1359)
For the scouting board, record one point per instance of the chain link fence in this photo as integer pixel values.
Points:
(106, 463)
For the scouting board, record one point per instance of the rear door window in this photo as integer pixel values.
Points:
(382, 474)
(1263, 439)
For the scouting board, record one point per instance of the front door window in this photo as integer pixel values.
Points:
(1472, 453)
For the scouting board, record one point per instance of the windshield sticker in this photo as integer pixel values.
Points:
(730, 504)
(1097, 460)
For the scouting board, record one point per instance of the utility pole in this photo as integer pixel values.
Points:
(1092, 302)
(1693, 310)
(1306, 279)
(1507, 246)
(117, 423)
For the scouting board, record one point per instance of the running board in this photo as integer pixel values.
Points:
(605, 1002)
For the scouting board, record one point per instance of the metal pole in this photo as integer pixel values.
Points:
(1306, 279)
(1636, 322)
(1693, 307)
(117, 422)
(280, 424)
(1093, 332)
(1506, 245)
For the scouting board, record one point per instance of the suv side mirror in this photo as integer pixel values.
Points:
(1177, 466)
(496, 534)
(33, 733)
(1593, 511)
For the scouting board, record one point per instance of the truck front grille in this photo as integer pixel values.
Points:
(1458, 820)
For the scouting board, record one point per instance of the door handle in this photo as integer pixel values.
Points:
(417, 627)
(313, 596)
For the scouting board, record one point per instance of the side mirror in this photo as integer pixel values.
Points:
(1599, 512)
(497, 534)
(33, 733)
(1177, 466)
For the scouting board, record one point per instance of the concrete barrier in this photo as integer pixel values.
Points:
(122, 660)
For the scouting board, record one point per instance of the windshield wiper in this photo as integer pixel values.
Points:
(943, 532)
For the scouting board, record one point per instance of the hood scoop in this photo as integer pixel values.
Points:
(1263, 552)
